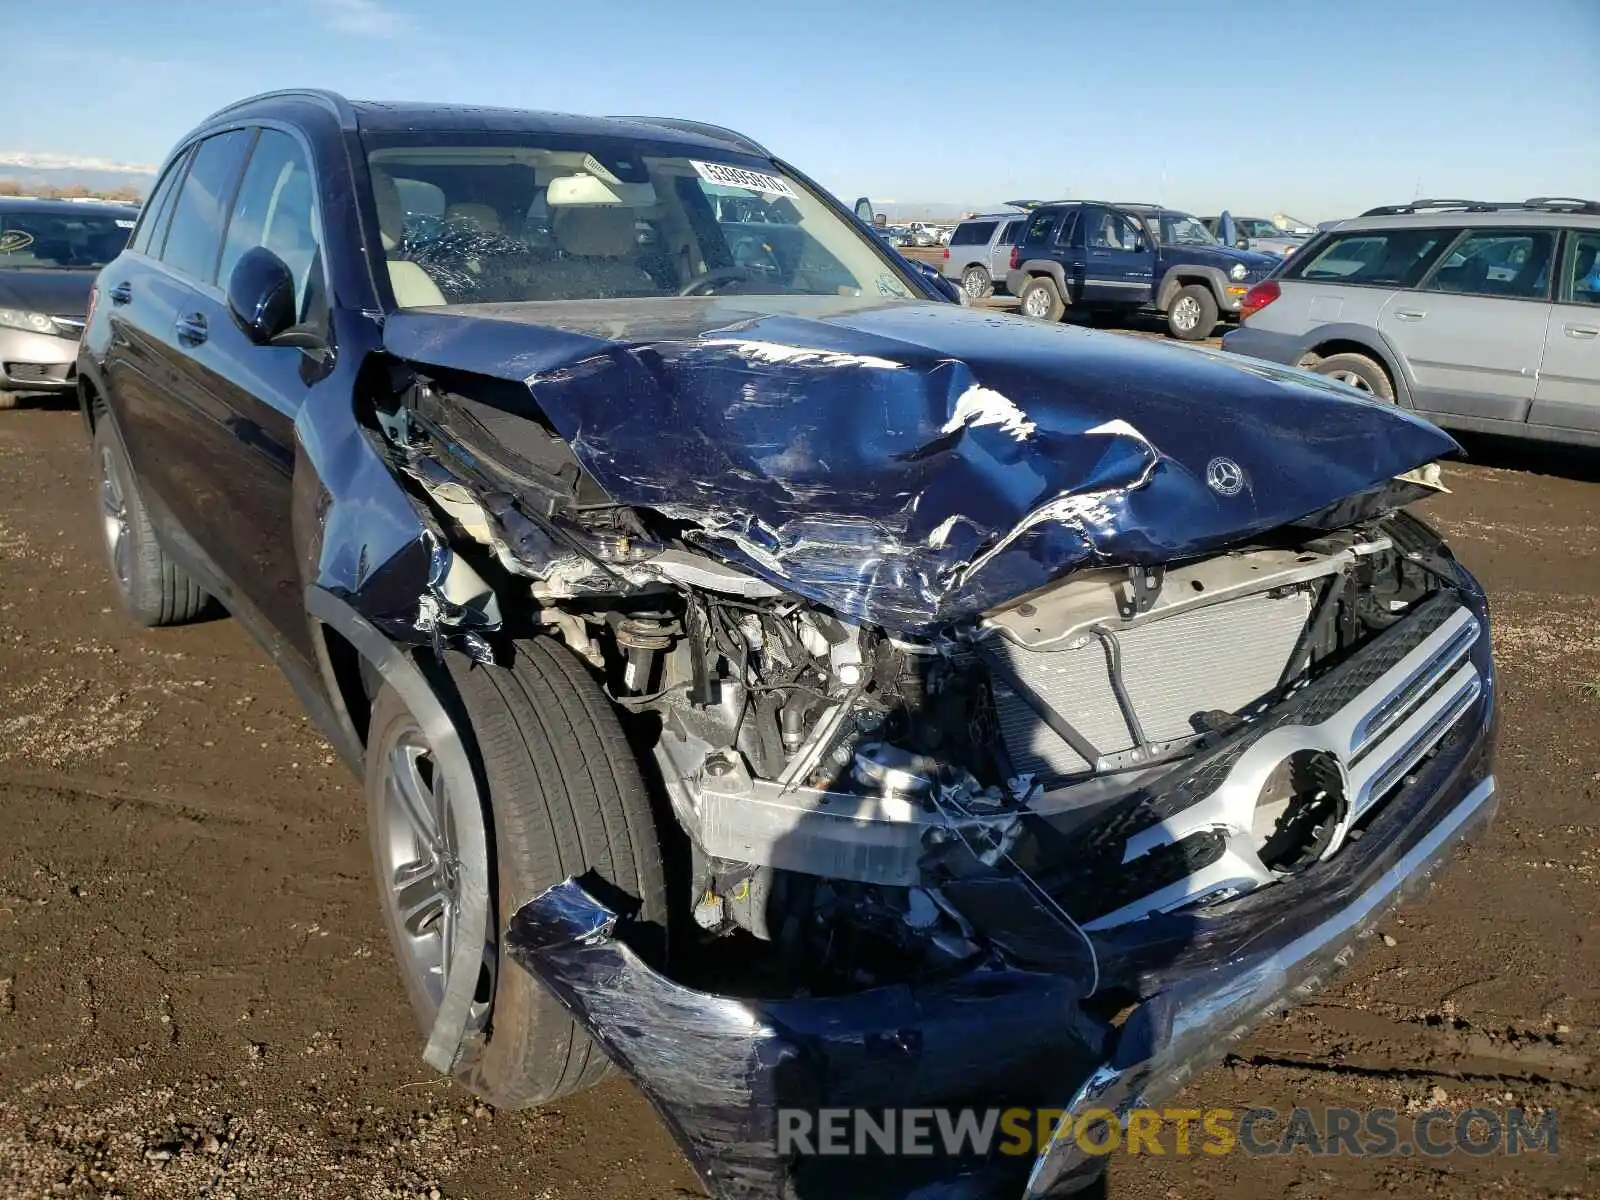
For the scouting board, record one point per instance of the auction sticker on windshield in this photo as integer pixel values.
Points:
(755, 181)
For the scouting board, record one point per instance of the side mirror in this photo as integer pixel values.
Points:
(261, 295)
(1243, 243)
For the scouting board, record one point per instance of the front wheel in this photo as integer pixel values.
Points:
(564, 797)
(1192, 315)
(1358, 371)
(1042, 300)
(977, 283)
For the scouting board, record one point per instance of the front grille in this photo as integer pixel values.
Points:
(1257, 274)
(38, 372)
(1222, 657)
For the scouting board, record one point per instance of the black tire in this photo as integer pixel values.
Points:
(1360, 372)
(1192, 314)
(1041, 298)
(566, 798)
(977, 283)
(153, 589)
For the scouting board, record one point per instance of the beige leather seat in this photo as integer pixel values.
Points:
(601, 247)
(412, 286)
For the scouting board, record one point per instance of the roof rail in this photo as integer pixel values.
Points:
(1539, 203)
(1564, 204)
(704, 128)
(1416, 206)
(332, 100)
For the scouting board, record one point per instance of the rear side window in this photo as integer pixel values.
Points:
(1040, 225)
(1391, 257)
(973, 233)
(195, 238)
(276, 208)
(1008, 235)
(1498, 262)
(155, 208)
(1580, 282)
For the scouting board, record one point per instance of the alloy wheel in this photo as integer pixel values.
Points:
(1186, 313)
(1037, 304)
(1354, 380)
(974, 285)
(114, 520)
(420, 861)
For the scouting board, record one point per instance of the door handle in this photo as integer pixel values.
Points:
(192, 329)
(1408, 314)
(1583, 332)
(122, 293)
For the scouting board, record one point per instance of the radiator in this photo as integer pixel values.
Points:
(1226, 656)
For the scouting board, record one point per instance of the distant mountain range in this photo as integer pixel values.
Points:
(64, 170)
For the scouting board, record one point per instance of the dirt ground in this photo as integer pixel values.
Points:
(196, 998)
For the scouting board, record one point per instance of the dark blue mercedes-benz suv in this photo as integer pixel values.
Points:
(764, 674)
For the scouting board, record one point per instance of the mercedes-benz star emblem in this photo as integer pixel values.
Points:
(1224, 477)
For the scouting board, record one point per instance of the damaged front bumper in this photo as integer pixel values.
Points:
(720, 1068)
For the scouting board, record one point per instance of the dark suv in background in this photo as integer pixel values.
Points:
(1115, 259)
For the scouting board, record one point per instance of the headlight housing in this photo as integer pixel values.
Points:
(1238, 272)
(33, 322)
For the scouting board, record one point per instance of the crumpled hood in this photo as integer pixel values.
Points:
(912, 464)
(57, 293)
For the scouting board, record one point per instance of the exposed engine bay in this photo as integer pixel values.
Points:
(864, 805)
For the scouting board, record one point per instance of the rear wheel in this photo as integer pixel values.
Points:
(977, 283)
(1359, 372)
(1192, 315)
(1042, 300)
(153, 589)
(565, 798)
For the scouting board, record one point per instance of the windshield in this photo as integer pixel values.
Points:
(1254, 228)
(472, 219)
(61, 240)
(1182, 230)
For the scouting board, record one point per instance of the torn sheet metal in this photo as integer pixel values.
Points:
(719, 1068)
(912, 464)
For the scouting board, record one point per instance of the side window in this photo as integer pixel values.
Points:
(972, 233)
(1069, 223)
(1581, 280)
(195, 238)
(1008, 235)
(1039, 226)
(155, 208)
(1392, 257)
(1498, 262)
(276, 208)
(1113, 231)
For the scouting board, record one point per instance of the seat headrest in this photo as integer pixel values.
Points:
(594, 231)
(391, 213)
(481, 216)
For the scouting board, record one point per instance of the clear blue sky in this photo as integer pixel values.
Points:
(1318, 108)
